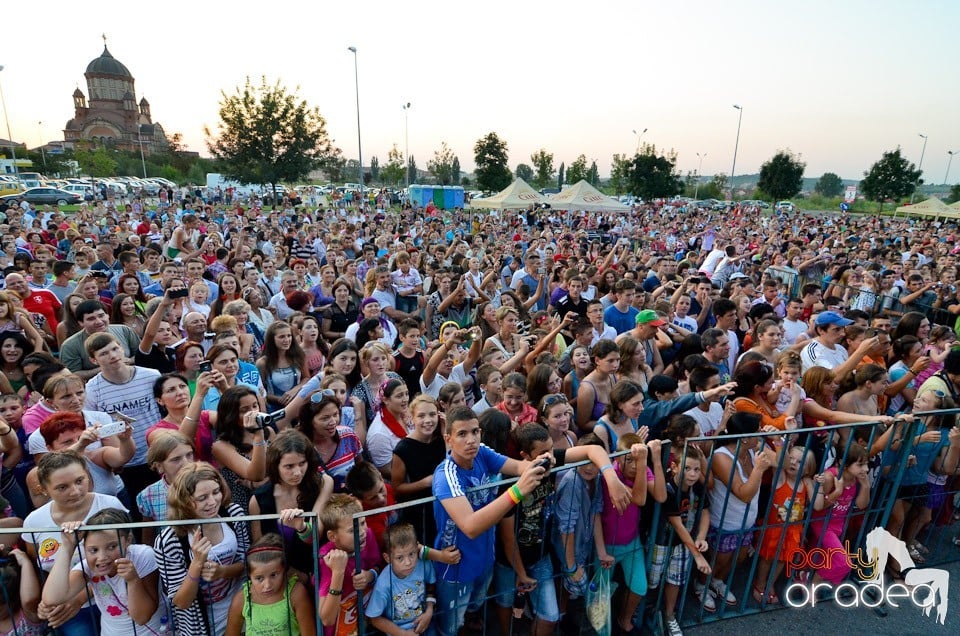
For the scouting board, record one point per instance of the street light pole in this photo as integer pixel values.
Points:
(949, 161)
(696, 190)
(919, 166)
(736, 146)
(639, 137)
(356, 84)
(13, 146)
(43, 155)
(143, 161)
(406, 142)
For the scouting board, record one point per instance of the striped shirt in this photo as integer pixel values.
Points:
(134, 399)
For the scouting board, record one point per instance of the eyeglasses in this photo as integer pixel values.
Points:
(553, 398)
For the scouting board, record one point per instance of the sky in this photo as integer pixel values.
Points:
(838, 83)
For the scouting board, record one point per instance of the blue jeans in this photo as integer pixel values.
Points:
(85, 623)
(543, 597)
(455, 598)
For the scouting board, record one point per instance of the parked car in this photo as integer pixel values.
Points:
(786, 207)
(46, 195)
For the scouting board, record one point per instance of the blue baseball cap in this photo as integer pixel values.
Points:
(831, 318)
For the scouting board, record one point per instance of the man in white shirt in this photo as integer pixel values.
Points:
(792, 325)
(601, 330)
(709, 414)
(826, 351)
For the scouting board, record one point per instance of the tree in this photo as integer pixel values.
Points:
(652, 176)
(954, 194)
(441, 166)
(619, 167)
(719, 181)
(560, 177)
(524, 172)
(543, 164)
(267, 135)
(411, 169)
(490, 157)
(97, 162)
(456, 170)
(892, 177)
(577, 170)
(374, 168)
(593, 175)
(829, 185)
(782, 176)
(392, 172)
(334, 165)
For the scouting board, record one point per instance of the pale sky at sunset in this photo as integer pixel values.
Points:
(837, 81)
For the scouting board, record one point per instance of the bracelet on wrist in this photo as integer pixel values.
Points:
(431, 599)
(604, 469)
(263, 443)
(515, 495)
(333, 592)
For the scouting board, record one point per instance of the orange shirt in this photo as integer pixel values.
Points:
(746, 405)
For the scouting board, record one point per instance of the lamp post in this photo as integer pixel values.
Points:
(639, 137)
(696, 190)
(919, 166)
(143, 162)
(356, 84)
(13, 146)
(406, 141)
(949, 161)
(736, 146)
(43, 155)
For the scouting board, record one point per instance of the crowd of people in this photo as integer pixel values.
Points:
(193, 361)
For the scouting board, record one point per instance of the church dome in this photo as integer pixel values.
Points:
(106, 64)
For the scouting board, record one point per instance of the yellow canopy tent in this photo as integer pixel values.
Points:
(583, 196)
(516, 196)
(931, 207)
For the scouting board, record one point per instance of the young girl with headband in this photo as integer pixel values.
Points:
(271, 601)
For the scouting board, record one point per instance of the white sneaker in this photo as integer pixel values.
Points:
(706, 596)
(673, 627)
(720, 589)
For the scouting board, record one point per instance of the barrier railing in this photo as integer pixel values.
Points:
(758, 550)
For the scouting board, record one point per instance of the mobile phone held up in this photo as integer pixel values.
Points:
(179, 293)
(111, 429)
(206, 366)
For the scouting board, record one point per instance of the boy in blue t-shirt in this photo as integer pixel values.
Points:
(404, 594)
(466, 515)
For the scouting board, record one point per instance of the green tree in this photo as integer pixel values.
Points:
(267, 135)
(619, 168)
(954, 194)
(392, 172)
(456, 170)
(374, 169)
(560, 177)
(54, 164)
(892, 177)
(97, 162)
(543, 164)
(411, 169)
(782, 176)
(577, 170)
(829, 185)
(441, 166)
(593, 175)
(490, 157)
(524, 172)
(652, 176)
(719, 182)
(334, 165)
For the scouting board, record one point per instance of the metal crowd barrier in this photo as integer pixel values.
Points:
(690, 610)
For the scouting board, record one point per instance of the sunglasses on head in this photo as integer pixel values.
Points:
(317, 397)
(553, 398)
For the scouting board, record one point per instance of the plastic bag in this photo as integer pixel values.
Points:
(599, 593)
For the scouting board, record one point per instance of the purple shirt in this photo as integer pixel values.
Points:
(620, 529)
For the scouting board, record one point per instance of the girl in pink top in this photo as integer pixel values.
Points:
(617, 535)
(837, 494)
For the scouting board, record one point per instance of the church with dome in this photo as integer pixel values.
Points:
(112, 116)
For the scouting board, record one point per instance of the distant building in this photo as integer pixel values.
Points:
(112, 117)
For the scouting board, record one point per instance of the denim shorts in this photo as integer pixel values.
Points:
(543, 598)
